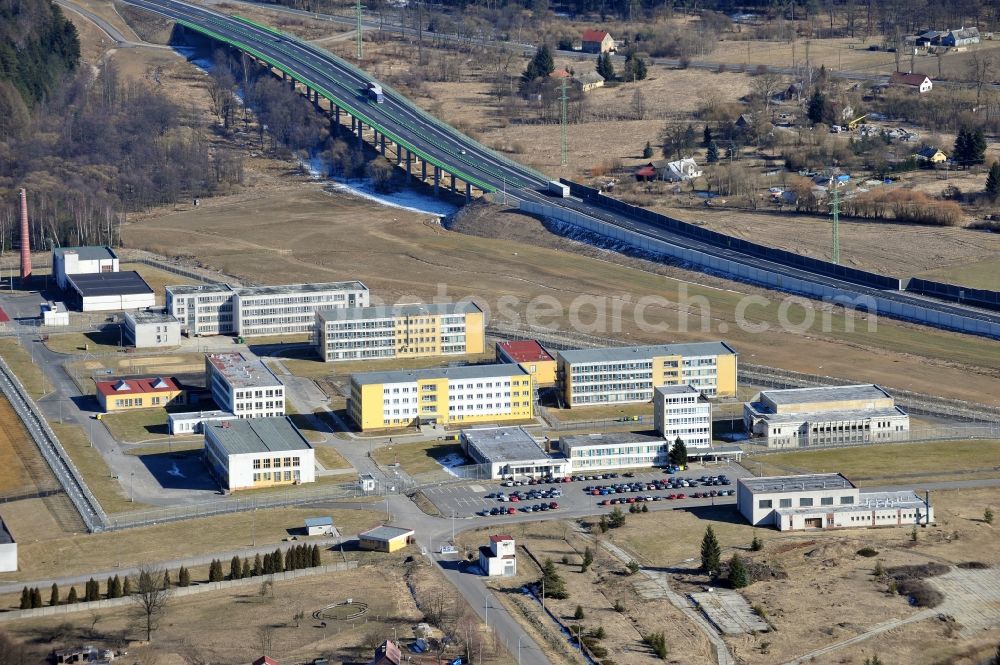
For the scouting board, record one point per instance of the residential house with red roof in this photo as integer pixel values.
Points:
(131, 394)
(597, 41)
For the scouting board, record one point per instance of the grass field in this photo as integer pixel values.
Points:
(137, 426)
(330, 458)
(91, 465)
(889, 463)
(321, 238)
(414, 458)
(102, 341)
(22, 365)
(77, 554)
(157, 279)
(22, 468)
(176, 445)
(983, 274)
(578, 413)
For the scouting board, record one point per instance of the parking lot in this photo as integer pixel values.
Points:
(469, 499)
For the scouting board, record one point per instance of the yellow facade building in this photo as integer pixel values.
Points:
(132, 394)
(444, 395)
(532, 357)
(629, 374)
(399, 331)
(385, 539)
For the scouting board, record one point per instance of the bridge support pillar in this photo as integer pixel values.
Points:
(381, 140)
(399, 154)
(361, 129)
(409, 164)
(423, 170)
(468, 192)
(452, 182)
(437, 181)
(336, 114)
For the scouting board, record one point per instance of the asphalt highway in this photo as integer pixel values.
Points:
(471, 161)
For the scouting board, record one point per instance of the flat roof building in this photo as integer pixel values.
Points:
(320, 526)
(193, 422)
(244, 386)
(442, 395)
(109, 291)
(258, 452)
(614, 450)
(131, 394)
(825, 501)
(511, 452)
(617, 375)
(825, 416)
(682, 412)
(499, 558)
(533, 359)
(54, 314)
(148, 328)
(8, 550)
(68, 261)
(385, 538)
(249, 311)
(399, 331)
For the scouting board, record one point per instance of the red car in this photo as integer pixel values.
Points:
(514, 498)
(512, 511)
(606, 502)
(671, 496)
(553, 505)
(681, 496)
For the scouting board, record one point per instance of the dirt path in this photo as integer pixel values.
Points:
(872, 632)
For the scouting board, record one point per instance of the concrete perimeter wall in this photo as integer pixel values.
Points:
(881, 306)
(176, 592)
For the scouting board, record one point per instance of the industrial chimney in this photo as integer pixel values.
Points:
(25, 240)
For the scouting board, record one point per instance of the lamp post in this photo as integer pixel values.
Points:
(131, 480)
(518, 650)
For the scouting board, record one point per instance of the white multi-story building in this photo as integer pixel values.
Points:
(290, 309)
(244, 387)
(826, 415)
(628, 374)
(399, 331)
(150, 328)
(825, 501)
(682, 411)
(262, 452)
(614, 450)
(8, 550)
(500, 558)
(82, 261)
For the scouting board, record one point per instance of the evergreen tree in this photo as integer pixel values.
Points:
(277, 561)
(689, 139)
(616, 518)
(605, 67)
(36, 598)
(712, 154)
(126, 586)
(166, 579)
(54, 595)
(183, 577)
(116, 587)
(578, 614)
(977, 151)
(91, 590)
(258, 567)
(647, 152)
(710, 552)
(756, 545)
(541, 65)
(678, 453)
(962, 148)
(706, 137)
(588, 559)
(993, 181)
(635, 67)
(245, 571)
(215, 571)
(235, 568)
(107, 585)
(72, 597)
(738, 575)
(819, 109)
(25, 599)
(554, 585)
(317, 556)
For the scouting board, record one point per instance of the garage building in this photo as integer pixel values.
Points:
(109, 291)
(825, 501)
(511, 452)
(258, 452)
(385, 539)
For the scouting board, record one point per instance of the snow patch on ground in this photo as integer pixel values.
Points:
(450, 462)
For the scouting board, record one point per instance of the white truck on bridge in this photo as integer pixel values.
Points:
(375, 93)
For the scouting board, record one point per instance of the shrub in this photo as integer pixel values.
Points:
(988, 516)
(738, 576)
(597, 633)
(658, 643)
(759, 610)
(868, 551)
(756, 545)
(632, 567)
(578, 614)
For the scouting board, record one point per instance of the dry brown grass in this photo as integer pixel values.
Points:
(22, 468)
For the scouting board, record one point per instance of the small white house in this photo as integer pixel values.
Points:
(54, 314)
(8, 550)
(320, 526)
(367, 482)
(500, 558)
(681, 170)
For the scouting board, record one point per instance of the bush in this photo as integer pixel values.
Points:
(578, 614)
(616, 518)
(973, 565)
(756, 545)
(632, 567)
(988, 516)
(658, 643)
(597, 633)
(868, 552)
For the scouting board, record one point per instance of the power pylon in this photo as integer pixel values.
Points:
(564, 141)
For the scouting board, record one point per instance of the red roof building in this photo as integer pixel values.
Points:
(597, 41)
(123, 394)
(387, 654)
(500, 537)
(912, 80)
(532, 357)
(265, 660)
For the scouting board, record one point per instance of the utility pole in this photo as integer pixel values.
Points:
(835, 206)
(357, 9)
(563, 145)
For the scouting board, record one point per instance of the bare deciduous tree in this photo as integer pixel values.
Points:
(980, 71)
(765, 86)
(150, 597)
